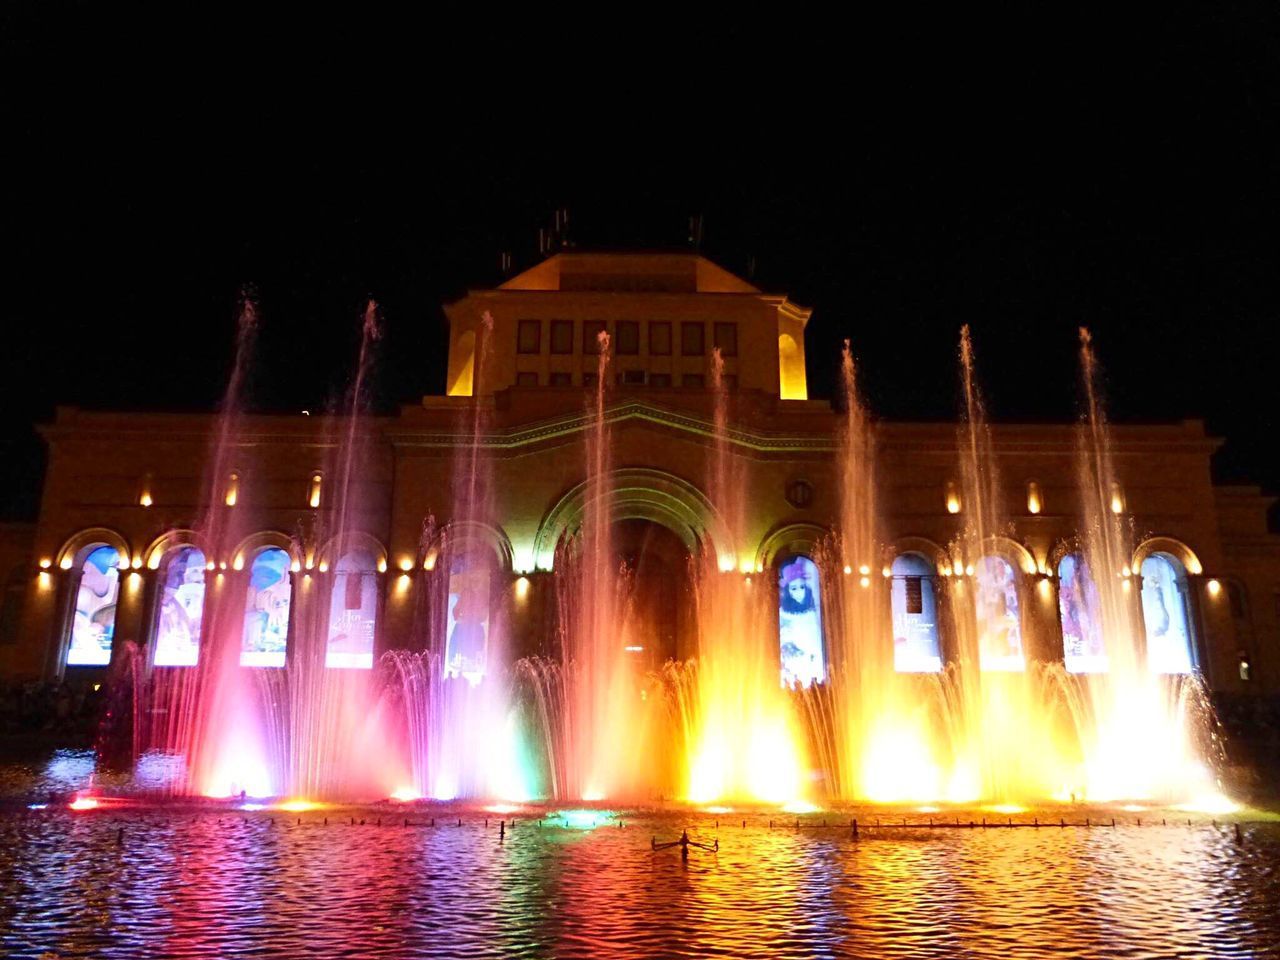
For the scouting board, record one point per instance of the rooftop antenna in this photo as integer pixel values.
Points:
(695, 231)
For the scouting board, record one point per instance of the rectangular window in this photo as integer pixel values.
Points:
(660, 338)
(628, 338)
(693, 337)
(526, 378)
(529, 336)
(561, 379)
(633, 378)
(915, 594)
(591, 330)
(562, 336)
(693, 380)
(659, 379)
(726, 335)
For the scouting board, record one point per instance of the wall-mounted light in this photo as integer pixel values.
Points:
(1117, 497)
(45, 563)
(296, 566)
(1214, 587)
(324, 566)
(232, 493)
(864, 570)
(313, 496)
(238, 563)
(65, 563)
(952, 499)
(522, 588)
(382, 564)
(1034, 501)
(847, 569)
(406, 564)
(864, 581)
(44, 580)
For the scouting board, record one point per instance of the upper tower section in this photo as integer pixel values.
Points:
(665, 313)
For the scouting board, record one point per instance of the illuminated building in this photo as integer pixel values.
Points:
(123, 492)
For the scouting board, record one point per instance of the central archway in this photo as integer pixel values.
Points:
(639, 493)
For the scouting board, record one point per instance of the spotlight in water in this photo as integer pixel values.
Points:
(298, 806)
(800, 806)
(1210, 803)
(253, 806)
(1007, 808)
(1133, 808)
(583, 819)
(502, 808)
(927, 809)
(37, 806)
(405, 795)
(84, 803)
(717, 810)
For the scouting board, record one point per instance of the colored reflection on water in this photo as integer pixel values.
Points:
(185, 882)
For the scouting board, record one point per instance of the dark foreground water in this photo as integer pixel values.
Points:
(183, 881)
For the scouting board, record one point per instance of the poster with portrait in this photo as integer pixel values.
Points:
(1164, 612)
(467, 624)
(1083, 650)
(177, 642)
(800, 624)
(93, 622)
(353, 613)
(998, 614)
(266, 610)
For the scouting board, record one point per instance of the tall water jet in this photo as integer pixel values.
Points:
(1007, 732)
(1146, 724)
(745, 740)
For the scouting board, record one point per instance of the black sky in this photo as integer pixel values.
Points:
(901, 178)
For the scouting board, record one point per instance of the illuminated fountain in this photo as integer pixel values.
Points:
(906, 676)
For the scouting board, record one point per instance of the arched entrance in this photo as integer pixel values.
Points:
(657, 595)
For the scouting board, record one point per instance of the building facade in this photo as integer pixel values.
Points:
(125, 494)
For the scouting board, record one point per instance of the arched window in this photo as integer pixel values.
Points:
(93, 622)
(999, 615)
(353, 611)
(1083, 649)
(800, 623)
(177, 630)
(467, 616)
(915, 616)
(1164, 613)
(266, 610)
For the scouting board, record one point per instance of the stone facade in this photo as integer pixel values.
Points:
(131, 480)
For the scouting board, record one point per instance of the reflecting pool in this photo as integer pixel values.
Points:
(128, 879)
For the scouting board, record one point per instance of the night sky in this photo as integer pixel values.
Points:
(1024, 177)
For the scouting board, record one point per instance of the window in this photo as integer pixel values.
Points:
(800, 623)
(1164, 614)
(660, 338)
(467, 620)
(562, 336)
(591, 330)
(628, 338)
(633, 378)
(177, 630)
(93, 622)
(915, 616)
(529, 336)
(1083, 649)
(693, 339)
(659, 379)
(693, 380)
(726, 339)
(999, 616)
(526, 378)
(561, 379)
(353, 611)
(266, 610)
